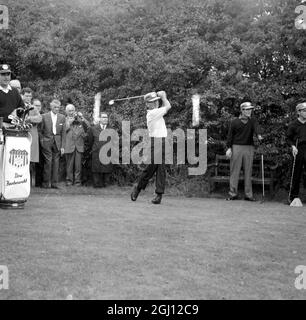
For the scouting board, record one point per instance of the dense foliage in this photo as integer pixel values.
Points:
(227, 50)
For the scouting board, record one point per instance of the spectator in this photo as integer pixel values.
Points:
(100, 172)
(76, 128)
(34, 118)
(241, 150)
(52, 138)
(38, 165)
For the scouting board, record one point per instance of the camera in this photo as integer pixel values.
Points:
(78, 116)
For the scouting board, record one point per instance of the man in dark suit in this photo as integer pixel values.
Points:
(52, 138)
(76, 128)
(100, 172)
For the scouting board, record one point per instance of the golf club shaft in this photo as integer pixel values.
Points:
(128, 98)
(263, 176)
(293, 167)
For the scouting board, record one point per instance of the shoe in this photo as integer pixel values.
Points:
(157, 199)
(68, 184)
(250, 199)
(230, 198)
(135, 193)
(78, 184)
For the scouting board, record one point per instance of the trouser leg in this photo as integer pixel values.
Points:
(160, 179)
(235, 167)
(69, 167)
(78, 167)
(47, 165)
(248, 155)
(97, 179)
(146, 175)
(55, 164)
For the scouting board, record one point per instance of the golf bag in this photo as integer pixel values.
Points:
(15, 169)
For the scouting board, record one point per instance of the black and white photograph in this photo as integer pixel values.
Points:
(152, 151)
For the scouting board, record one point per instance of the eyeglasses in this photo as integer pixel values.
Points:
(5, 74)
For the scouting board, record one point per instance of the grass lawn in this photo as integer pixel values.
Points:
(100, 245)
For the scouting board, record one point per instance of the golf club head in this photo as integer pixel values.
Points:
(111, 102)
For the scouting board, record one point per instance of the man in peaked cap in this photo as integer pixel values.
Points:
(10, 98)
(296, 137)
(241, 150)
(157, 130)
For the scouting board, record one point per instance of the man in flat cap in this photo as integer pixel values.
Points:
(296, 137)
(241, 150)
(10, 98)
(157, 130)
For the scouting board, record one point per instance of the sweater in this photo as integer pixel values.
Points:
(9, 102)
(296, 130)
(241, 133)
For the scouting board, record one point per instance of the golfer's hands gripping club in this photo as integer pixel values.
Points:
(229, 153)
(162, 95)
(294, 151)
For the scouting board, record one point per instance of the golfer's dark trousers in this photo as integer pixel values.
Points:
(51, 156)
(300, 164)
(151, 169)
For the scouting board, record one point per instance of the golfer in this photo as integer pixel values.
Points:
(157, 130)
(296, 136)
(241, 150)
(10, 98)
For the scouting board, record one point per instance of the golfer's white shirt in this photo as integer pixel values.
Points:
(54, 119)
(156, 123)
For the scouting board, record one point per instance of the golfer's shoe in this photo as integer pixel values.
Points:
(232, 198)
(135, 193)
(250, 199)
(157, 199)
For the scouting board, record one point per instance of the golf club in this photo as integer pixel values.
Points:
(291, 180)
(263, 178)
(111, 102)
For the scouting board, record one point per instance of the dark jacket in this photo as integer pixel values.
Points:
(46, 133)
(95, 146)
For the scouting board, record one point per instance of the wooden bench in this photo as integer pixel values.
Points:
(219, 172)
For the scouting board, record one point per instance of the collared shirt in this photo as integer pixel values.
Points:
(7, 89)
(156, 123)
(54, 119)
(103, 126)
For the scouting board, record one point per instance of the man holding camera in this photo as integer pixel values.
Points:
(76, 128)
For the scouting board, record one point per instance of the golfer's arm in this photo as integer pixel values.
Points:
(166, 104)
